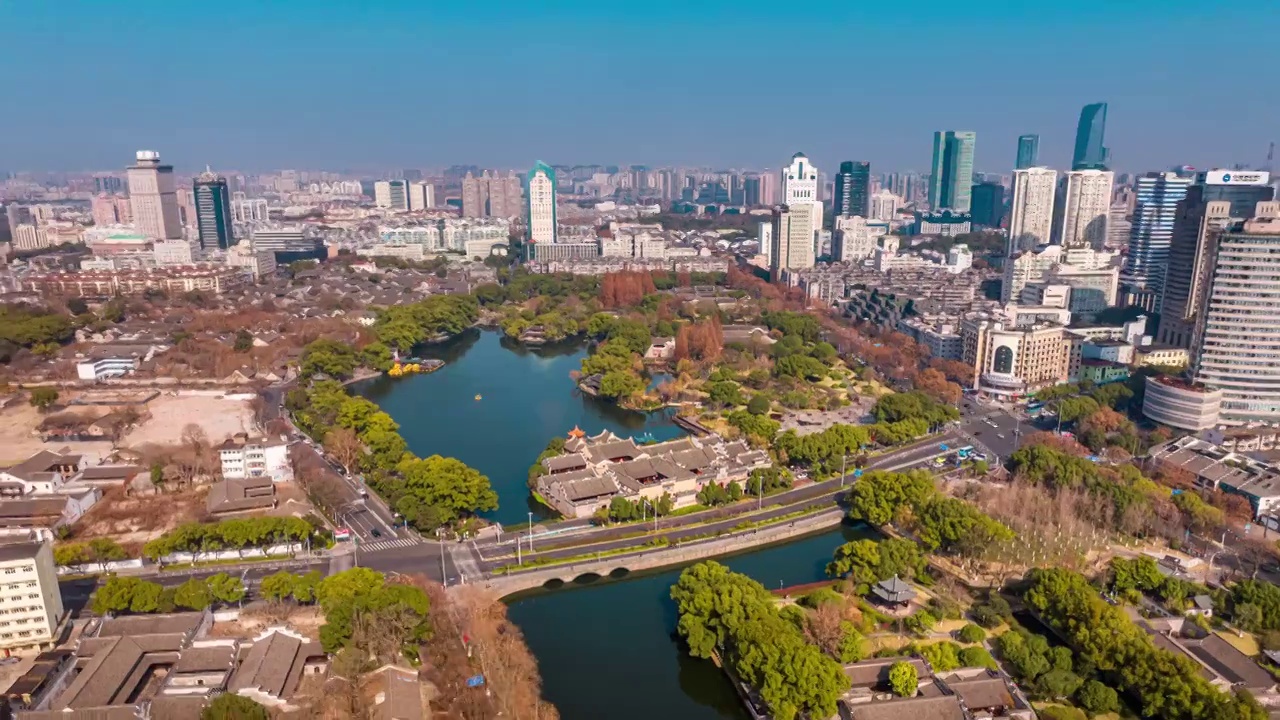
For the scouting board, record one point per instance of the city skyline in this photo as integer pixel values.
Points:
(277, 74)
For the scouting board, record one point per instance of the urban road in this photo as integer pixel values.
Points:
(455, 562)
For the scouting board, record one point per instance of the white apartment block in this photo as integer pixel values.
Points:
(854, 239)
(30, 600)
(248, 457)
(422, 196)
(884, 205)
(1086, 209)
(1238, 339)
(1031, 212)
(260, 263)
(246, 210)
(391, 194)
(102, 368)
(173, 252)
(29, 237)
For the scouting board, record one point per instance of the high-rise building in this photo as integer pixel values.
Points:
(422, 196)
(800, 185)
(491, 196)
(853, 189)
(1028, 151)
(1237, 344)
(1090, 153)
(213, 211)
(1151, 234)
(391, 194)
(988, 204)
(884, 205)
(1218, 199)
(1031, 211)
(541, 209)
(951, 179)
(751, 190)
(792, 238)
(111, 209)
(1086, 206)
(768, 188)
(154, 197)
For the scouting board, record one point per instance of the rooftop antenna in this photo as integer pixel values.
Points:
(1271, 154)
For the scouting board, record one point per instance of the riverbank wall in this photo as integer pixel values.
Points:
(653, 558)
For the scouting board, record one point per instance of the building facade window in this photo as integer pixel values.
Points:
(1004, 360)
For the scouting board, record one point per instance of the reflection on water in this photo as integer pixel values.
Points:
(527, 397)
(608, 648)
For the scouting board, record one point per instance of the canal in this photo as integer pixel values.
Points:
(526, 398)
(608, 648)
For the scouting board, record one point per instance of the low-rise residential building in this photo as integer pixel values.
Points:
(243, 456)
(596, 469)
(215, 279)
(1217, 469)
(103, 368)
(29, 594)
(1162, 355)
(1101, 372)
(960, 694)
(239, 495)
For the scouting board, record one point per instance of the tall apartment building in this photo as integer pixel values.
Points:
(951, 178)
(540, 213)
(213, 211)
(1090, 153)
(110, 210)
(245, 209)
(792, 238)
(1218, 199)
(800, 186)
(1151, 233)
(1031, 211)
(1237, 343)
(391, 194)
(1028, 151)
(853, 239)
(1086, 208)
(492, 196)
(29, 594)
(154, 197)
(422, 196)
(853, 189)
(884, 205)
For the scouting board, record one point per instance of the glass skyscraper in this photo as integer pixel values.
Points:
(988, 204)
(1090, 152)
(1151, 234)
(1028, 151)
(951, 178)
(853, 189)
(213, 211)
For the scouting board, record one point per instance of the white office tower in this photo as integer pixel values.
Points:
(1031, 212)
(541, 209)
(792, 238)
(422, 196)
(800, 186)
(391, 194)
(153, 197)
(1086, 207)
(1237, 346)
(884, 205)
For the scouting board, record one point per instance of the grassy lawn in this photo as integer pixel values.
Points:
(1246, 644)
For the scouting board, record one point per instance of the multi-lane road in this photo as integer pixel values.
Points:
(993, 428)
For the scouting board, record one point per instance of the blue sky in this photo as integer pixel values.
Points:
(382, 84)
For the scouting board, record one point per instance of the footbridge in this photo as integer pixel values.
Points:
(617, 566)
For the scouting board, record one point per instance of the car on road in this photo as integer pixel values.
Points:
(376, 532)
(1001, 436)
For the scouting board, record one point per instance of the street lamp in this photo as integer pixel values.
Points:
(530, 531)
(444, 577)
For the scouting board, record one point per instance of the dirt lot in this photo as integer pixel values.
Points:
(132, 521)
(221, 418)
(17, 443)
(259, 615)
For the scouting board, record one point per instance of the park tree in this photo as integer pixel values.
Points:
(345, 447)
(43, 397)
(1096, 698)
(903, 679)
(620, 385)
(231, 706)
(277, 586)
(194, 594)
(243, 342)
(328, 357)
(454, 489)
(226, 588)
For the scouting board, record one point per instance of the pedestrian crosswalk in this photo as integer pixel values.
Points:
(388, 544)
